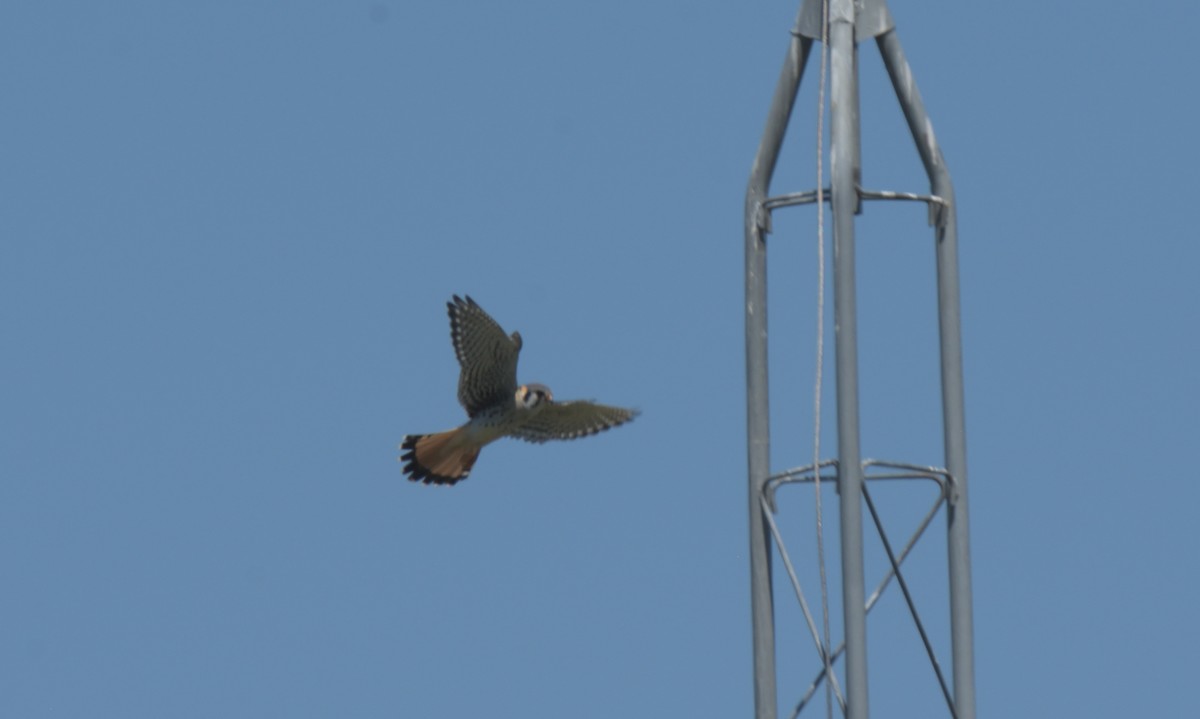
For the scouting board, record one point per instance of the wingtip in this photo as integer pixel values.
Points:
(460, 303)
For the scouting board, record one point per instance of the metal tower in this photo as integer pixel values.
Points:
(851, 22)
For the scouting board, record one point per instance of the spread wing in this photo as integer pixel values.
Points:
(487, 355)
(571, 420)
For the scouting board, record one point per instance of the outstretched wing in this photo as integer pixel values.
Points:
(488, 357)
(571, 420)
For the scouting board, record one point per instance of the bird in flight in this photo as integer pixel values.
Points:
(496, 405)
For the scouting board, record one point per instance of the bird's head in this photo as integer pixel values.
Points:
(532, 395)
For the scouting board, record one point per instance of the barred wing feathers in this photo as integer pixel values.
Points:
(572, 420)
(487, 355)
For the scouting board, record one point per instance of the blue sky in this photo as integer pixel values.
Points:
(229, 231)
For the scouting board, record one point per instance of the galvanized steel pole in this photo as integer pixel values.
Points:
(844, 159)
(757, 408)
(953, 403)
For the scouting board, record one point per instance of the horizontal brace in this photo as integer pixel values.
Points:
(902, 470)
(890, 195)
(808, 197)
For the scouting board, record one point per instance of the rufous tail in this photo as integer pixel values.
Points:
(442, 458)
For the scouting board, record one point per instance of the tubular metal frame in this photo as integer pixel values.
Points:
(851, 21)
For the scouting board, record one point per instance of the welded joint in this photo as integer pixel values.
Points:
(953, 490)
(843, 11)
(762, 219)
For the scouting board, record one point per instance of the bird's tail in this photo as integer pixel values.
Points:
(442, 458)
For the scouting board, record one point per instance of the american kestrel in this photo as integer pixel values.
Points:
(496, 405)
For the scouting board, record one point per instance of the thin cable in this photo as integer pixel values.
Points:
(821, 357)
